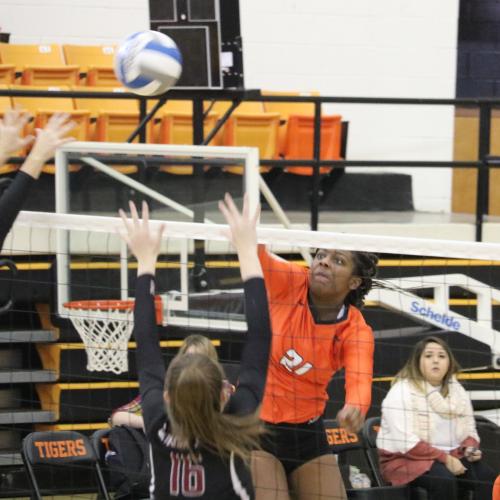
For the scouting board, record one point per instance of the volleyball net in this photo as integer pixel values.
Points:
(74, 268)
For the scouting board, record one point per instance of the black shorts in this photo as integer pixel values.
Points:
(296, 444)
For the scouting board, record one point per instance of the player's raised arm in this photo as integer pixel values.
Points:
(144, 243)
(254, 360)
(47, 141)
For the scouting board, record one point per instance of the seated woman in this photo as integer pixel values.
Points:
(130, 414)
(428, 434)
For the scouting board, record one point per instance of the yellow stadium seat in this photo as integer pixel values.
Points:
(5, 104)
(114, 119)
(96, 61)
(258, 130)
(39, 64)
(7, 73)
(177, 128)
(220, 107)
(173, 124)
(42, 108)
(5, 100)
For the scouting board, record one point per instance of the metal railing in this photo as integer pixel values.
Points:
(198, 97)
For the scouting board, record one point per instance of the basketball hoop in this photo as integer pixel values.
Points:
(105, 327)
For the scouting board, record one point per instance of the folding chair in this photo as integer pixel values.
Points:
(64, 450)
(350, 450)
(370, 431)
(99, 441)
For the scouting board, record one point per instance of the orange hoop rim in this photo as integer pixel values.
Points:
(101, 305)
(113, 305)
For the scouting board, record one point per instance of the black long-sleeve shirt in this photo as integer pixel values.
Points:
(11, 202)
(173, 473)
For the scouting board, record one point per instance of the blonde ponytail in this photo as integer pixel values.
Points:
(194, 383)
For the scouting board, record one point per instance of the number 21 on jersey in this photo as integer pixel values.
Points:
(185, 477)
(294, 362)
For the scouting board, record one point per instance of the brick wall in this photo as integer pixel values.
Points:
(391, 48)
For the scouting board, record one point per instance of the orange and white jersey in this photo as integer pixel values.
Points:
(305, 354)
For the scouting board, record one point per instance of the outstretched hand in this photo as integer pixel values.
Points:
(47, 141)
(243, 234)
(350, 418)
(11, 129)
(52, 136)
(242, 226)
(143, 242)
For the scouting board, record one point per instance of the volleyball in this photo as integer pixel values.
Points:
(148, 63)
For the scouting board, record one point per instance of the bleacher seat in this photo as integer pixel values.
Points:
(39, 64)
(113, 119)
(5, 103)
(42, 108)
(299, 141)
(69, 452)
(369, 432)
(96, 63)
(297, 131)
(7, 73)
(173, 124)
(285, 109)
(350, 450)
(220, 107)
(258, 130)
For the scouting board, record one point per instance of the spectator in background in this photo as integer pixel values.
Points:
(131, 413)
(428, 434)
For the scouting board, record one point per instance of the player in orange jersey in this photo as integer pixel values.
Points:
(317, 330)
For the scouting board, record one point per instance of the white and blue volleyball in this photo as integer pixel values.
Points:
(148, 63)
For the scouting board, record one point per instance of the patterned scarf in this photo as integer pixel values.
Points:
(452, 407)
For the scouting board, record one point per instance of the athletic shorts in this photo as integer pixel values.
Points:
(296, 444)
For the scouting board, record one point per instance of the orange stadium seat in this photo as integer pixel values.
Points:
(258, 130)
(114, 119)
(220, 107)
(299, 142)
(42, 108)
(95, 61)
(285, 109)
(39, 64)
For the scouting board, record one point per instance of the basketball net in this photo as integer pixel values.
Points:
(105, 329)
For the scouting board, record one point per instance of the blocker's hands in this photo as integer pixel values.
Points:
(51, 137)
(350, 418)
(144, 243)
(242, 226)
(11, 128)
(243, 235)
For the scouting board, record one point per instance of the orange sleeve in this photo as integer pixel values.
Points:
(279, 274)
(358, 351)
